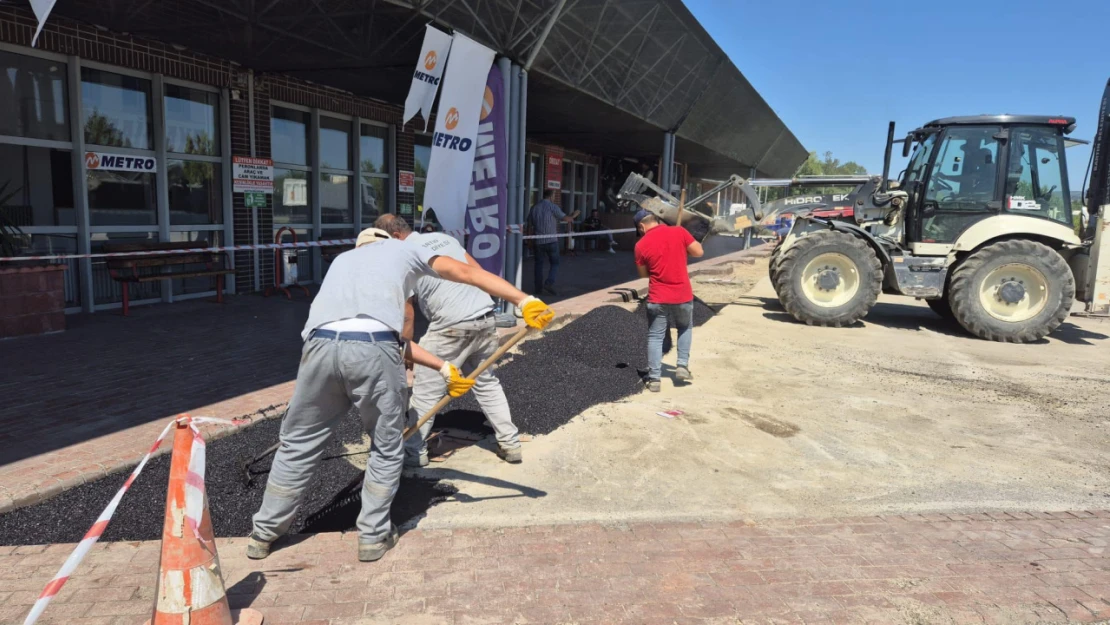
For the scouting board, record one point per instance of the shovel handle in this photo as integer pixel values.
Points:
(516, 338)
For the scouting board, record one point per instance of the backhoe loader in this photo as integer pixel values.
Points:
(979, 225)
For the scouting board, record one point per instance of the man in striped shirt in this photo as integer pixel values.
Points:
(543, 221)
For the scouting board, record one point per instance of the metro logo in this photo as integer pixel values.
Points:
(92, 161)
(430, 60)
(452, 118)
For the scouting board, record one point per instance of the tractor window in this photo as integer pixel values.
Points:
(915, 171)
(1036, 180)
(961, 182)
(965, 170)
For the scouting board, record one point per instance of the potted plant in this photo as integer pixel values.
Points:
(32, 295)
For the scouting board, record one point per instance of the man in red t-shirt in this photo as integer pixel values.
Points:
(661, 258)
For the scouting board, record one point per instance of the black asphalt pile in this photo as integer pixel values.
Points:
(68, 516)
(594, 359)
(600, 357)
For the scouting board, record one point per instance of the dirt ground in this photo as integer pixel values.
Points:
(904, 413)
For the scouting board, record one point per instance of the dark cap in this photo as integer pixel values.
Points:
(640, 216)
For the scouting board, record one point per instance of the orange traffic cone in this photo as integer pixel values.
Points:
(190, 584)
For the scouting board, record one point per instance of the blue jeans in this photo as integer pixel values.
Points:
(551, 252)
(682, 316)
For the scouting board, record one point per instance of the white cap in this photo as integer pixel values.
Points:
(371, 235)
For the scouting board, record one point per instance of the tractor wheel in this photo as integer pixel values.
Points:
(772, 265)
(942, 308)
(1012, 291)
(829, 279)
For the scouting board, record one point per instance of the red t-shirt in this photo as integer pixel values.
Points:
(663, 251)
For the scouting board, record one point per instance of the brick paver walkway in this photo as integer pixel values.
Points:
(996, 568)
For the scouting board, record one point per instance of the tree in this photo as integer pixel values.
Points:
(826, 166)
(99, 130)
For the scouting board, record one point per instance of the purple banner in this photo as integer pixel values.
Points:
(488, 202)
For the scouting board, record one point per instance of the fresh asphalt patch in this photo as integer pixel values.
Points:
(598, 358)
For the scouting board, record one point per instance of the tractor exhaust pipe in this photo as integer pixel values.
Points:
(886, 158)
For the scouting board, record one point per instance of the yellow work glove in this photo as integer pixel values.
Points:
(536, 314)
(457, 385)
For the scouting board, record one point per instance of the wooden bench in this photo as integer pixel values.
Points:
(172, 262)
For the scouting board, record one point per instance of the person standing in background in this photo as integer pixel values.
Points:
(543, 221)
(593, 224)
(661, 255)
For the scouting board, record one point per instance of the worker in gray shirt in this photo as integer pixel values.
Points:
(462, 329)
(353, 355)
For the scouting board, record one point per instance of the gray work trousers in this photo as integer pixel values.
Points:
(465, 344)
(333, 376)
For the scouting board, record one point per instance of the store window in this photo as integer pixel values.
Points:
(191, 126)
(335, 144)
(115, 110)
(535, 179)
(121, 198)
(335, 198)
(289, 136)
(374, 171)
(195, 190)
(291, 197)
(335, 171)
(42, 182)
(33, 102)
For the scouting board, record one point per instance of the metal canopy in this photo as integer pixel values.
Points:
(613, 73)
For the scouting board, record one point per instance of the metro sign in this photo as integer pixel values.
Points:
(120, 162)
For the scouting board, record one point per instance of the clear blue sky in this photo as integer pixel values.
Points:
(837, 71)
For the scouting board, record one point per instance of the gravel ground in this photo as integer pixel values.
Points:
(597, 358)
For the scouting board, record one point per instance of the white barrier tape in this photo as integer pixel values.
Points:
(93, 535)
(563, 235)
(193, 513)
(195, 250)
(514, 229)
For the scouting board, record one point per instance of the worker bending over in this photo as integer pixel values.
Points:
(661, 258)
(352, 355)
(461, 329)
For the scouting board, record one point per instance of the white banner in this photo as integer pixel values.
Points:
(429, 69)
(42, 10)
(460, 109)
(120, 162)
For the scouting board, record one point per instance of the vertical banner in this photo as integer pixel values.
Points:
(460, 107)
(553, 172)
(426, 78)
(488, 204)
(42, 9)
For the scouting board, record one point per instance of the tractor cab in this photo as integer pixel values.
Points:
(967, 169)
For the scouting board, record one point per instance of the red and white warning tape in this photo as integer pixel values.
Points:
(516, 228)
(194, 509)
